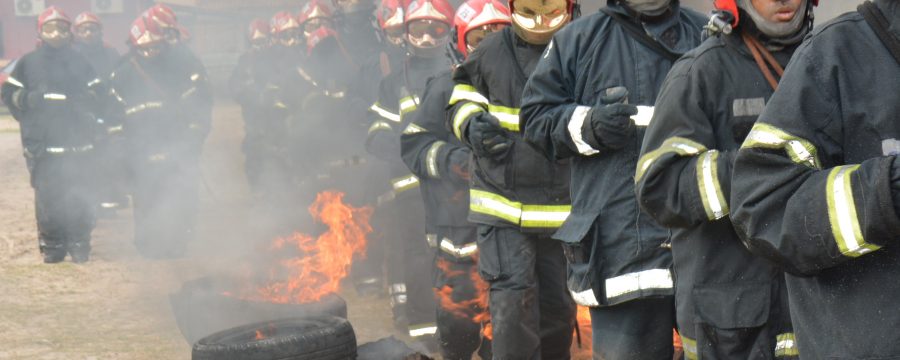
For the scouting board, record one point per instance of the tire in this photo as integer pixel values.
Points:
(310, 338)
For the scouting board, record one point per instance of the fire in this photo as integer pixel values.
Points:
(308, 268)
(475, 309)
(584, 326)
(259, 335)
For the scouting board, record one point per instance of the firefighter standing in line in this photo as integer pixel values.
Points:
(247, 83)
(167, 104)
(428, 25)
(441, 162)
(88, 31)
(518, 196)
(704, 111)
(52, 93)
(816, 190)
(574, 106)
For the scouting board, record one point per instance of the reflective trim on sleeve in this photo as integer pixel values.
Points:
(15, 82)
(385, 113)
(404, 183)
(422, 330)
(70, 149)
(677, 144)
(195, 76)
(842, 213)
(413, 129)
(545, 216)
(575, 124)
(93, 82)
(638, 281)
(115, 129)
(380, 125)
(460, 252)
(786, 345)
(690, 347)
(408, 104)
(508, 117)
(142, 107)
(495, 205)
(644, 115)
(432, 240)
(54, 96)
(800, 150)
(467, 92)
(585, 298)
(462, 114)
(397, 291)
(714, 201)
(431, 160)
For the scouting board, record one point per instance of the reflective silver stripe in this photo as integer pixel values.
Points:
(195, 77)
(93, 82)
(432, 240)
(458, 252)
(109, 205)
(422, 330)
(767, 136)
(710, 191)
(384, 113)
(413, 129)
(842, 213)
(188, 93)
(115, 129)
(585, 298)
(15, 82)
(398, 288)
(644, 115)
(467, 92)
(638, 281)
(404, 183)
(786, 345)
(431, 161)
(54, 96)
(574, 126)
(74, 149)
(142, 107)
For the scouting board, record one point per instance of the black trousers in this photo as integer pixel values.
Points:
(638, 330)
(532, 313)
(64, 202)
(166, 198)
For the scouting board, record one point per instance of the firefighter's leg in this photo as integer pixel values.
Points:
(637, 329)
(81, 198)
(388, 221)
(459, 329)
(419, 268)
(49, 194)
(507, 263)
(150, 207)
(557, 307)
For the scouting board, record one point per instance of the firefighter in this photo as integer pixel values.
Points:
(441, 162)
(354, 23)
(52, 93)
(518, 196)
(88, 32)
(166, 102)
(575, 107)
(246, 82)
(166, 19)
(427, 25)
(684, 174)
(815, 185)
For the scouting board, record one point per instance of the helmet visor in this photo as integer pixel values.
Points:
(428, 33)
(474, 36)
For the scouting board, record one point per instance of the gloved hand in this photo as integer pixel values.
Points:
(29, 99)
(488, 138)
(610, 126)
(458, 165)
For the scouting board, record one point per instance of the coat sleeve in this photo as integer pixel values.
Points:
(794, 199)
(197, 100)
(425, 143)
(682, 179)
(468, 98)
(382, 139)
(242, 83)
(14, 89)
(549, 107)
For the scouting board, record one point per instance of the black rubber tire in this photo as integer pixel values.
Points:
(308, 338)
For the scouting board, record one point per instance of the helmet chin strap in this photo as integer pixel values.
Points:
(649, 7)
(776, 30)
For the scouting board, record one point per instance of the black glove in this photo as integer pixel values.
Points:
(610, 126)
(488, 138)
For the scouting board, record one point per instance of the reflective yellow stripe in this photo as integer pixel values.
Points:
(546, 216)
(678, 145)
(380, 125)
(458, 252)
(710, 190)
(408, 104)
(842, 213)
(142, 107)
(413, 129)
(536, 216)
(690, 348)
(385, 113)
(404, 183)
(800, 150)
(431, 161)
(786, 345)
(509, 117)
(462, 114)
(466, 92)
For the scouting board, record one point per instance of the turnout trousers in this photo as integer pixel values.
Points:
(64, 203)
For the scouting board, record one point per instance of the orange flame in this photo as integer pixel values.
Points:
(259, 335)
(309, 268)
(474, 309)
(584, 326)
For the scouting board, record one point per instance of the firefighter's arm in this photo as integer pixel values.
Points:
(466, 100)
(197, 100)
(17, 95)
(549, 107)
(682, 179)
(794, 200)
(425, 144)
(382, 139)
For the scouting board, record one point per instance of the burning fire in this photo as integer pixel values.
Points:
(584, 334)
(308, 268)
(475, 309)
(259, 335)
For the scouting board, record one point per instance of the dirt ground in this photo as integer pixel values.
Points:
(116, 306)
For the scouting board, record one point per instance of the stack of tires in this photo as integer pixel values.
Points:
(321, 337)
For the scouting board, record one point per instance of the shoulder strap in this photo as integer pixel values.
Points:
(879, 25)
(640, 35)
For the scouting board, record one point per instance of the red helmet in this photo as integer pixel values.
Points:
(163, 16)
(145, 33)
(314, 9)
(258, 29)
(390, 14)
(438, 10)
(318, 35)
(731, 7)
(474, 14)
(87, 17)
(50, 14)
(283, 21)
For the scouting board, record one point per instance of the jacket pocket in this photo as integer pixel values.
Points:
(489, 254)
(580, 279)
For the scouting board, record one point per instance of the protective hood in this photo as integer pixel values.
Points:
(780, 34)
(648, 7)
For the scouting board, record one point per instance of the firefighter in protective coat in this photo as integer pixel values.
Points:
(52, 93)
(816, 190)
(576, 106)
(518, 196)
(427, 25)
(166, 102)
(441, 161)
(705, 109)
(247, 82)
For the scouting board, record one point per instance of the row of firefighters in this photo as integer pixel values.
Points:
(666, 169)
